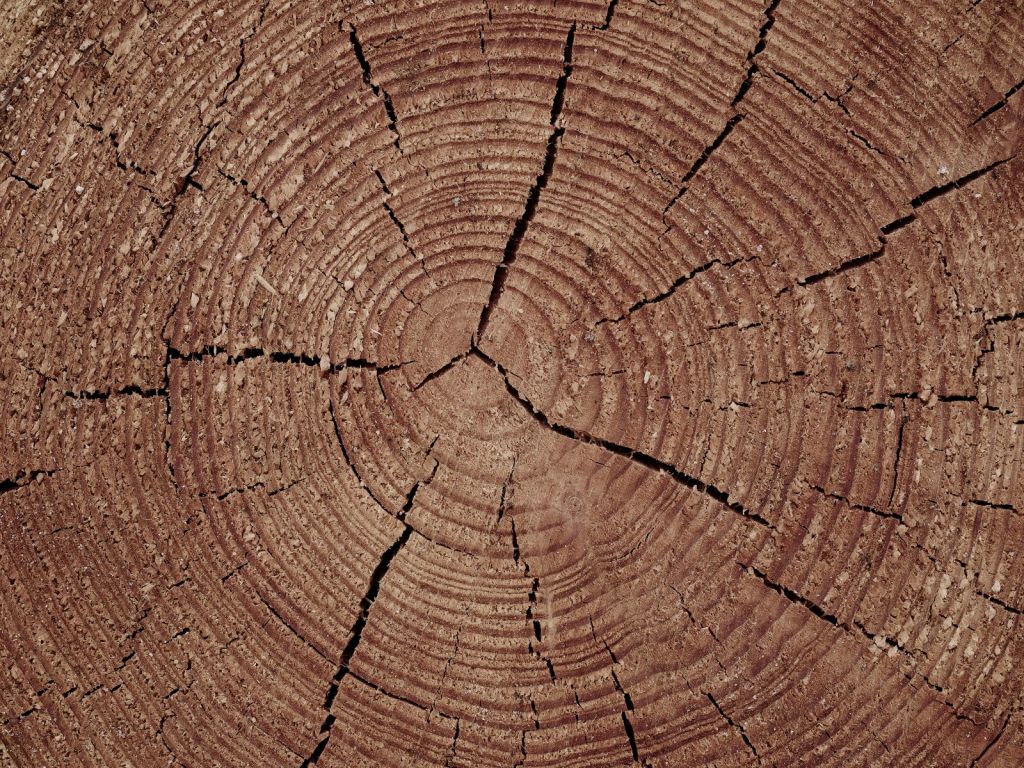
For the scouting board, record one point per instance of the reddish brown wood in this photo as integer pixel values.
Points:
(512, 384)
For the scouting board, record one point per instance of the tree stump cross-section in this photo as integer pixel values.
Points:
(519, 384)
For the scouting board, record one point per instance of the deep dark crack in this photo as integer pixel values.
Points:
(637, 457)
(378, 90)
(736, 117)
(533, 197)
(897, 224)
(734, 725)
(355, 637)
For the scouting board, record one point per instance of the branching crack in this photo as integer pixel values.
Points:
(533, 198)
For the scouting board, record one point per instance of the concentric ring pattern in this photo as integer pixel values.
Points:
(512, 384)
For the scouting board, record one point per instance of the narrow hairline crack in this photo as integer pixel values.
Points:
(668, 292)
(853, 627)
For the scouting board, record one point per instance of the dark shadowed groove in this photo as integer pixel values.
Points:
(609, 15)
(637, 457)
(733, 724)
(846, 266)
(741, 92)
(999, 104)
(356, 635)
(951, 186)
(897, 224)
(533, 198)
(377, 89)
(704, 156)
(759, 46)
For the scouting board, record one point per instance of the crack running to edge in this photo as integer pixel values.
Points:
(734, 120)
(533, 198)
(895, 225)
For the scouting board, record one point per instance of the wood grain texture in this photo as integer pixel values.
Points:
(512, 383)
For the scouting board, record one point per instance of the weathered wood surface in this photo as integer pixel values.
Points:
(512, 384)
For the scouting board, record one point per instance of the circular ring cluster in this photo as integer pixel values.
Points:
(461, 385)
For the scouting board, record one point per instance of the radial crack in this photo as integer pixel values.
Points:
(999, 104)
(736, 117)
(290, 358)
(378, 90)
(854, 626)
(441, 371)
(637, 457)
(897, 224)
(702, 158)
(759, 46)
(355, 636)
(992, 742)
(667, 293)
(735, 725)
(241, 52)
(532, 199)
(863, 507)
(397, 221)
(531, 619)
(627, 700)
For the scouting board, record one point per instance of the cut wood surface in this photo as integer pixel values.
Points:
(559, 384)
